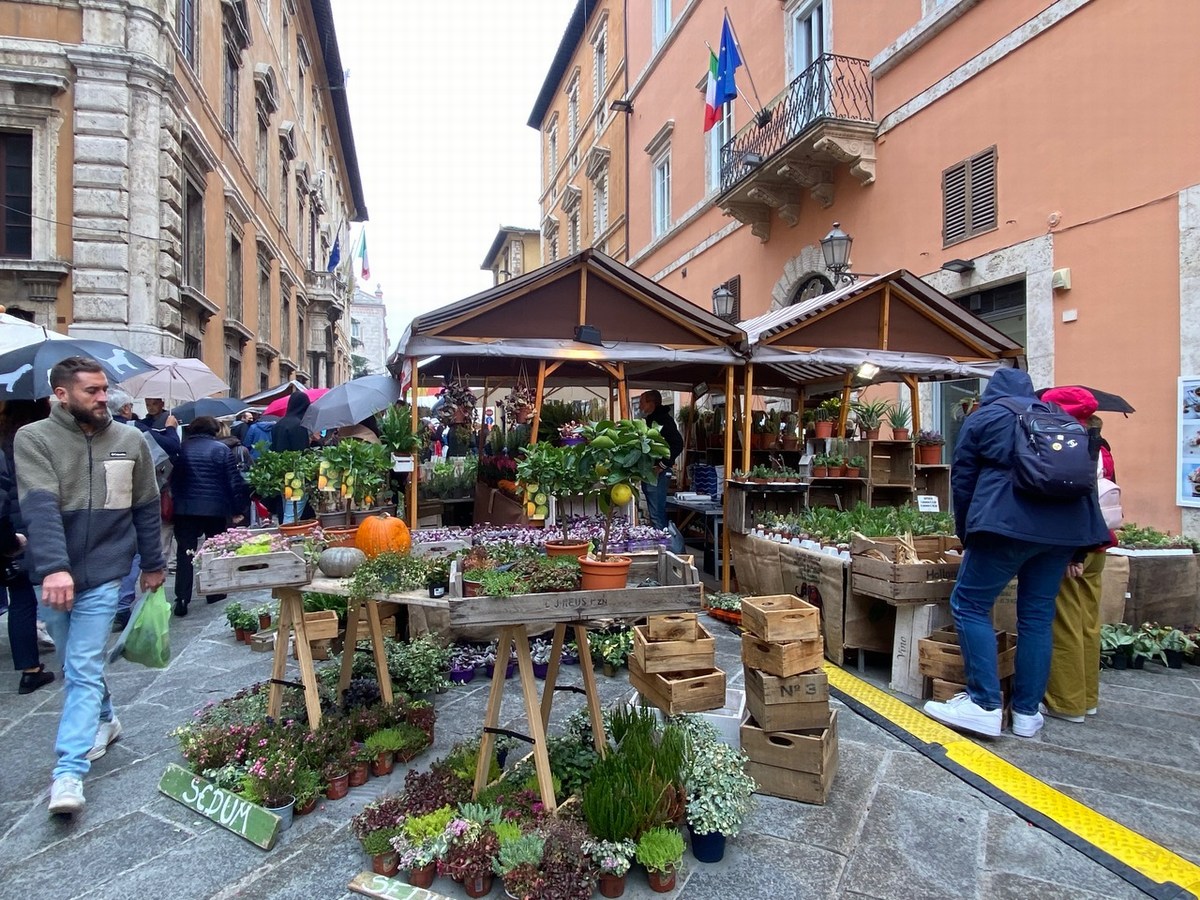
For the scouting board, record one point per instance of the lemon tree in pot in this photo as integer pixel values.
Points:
(618, 456)
(549, 471)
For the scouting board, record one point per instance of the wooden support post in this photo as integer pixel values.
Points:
(491, 717)
(380, 652)
(590, 690)
(350, 645)
(414, 419)
(533, 715)
(885, 314)
(291, 617)
(844, 413)
(279, 664)
(747, 400)
(487, 390)
(728, 473)
(914, 403)
(623, 387)
(538, 398)
(583, 273)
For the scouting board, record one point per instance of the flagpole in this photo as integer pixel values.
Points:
(745, 99)
(761, 114)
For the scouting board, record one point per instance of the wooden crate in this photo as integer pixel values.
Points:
(673, 627)
(782, 660)
(914, 621)
(905, 583)
(774, 710)
(250, 573)
(939, 655)
(781, 618)
(797, 765)
(679, 692)
(674, 656)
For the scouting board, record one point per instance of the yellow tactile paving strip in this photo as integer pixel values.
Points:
(1166, 871)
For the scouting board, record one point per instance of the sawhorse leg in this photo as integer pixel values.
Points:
(595, 715)
(375, 635)
(291, 618)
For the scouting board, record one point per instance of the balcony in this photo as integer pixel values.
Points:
(823, 119)
(326, 294)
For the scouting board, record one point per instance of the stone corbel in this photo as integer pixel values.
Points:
(854, 149)
(817, 179)
(780, 197)
(756, 215)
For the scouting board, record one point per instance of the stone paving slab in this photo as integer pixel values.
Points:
(896, 824)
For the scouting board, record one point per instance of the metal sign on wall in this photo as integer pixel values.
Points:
(1188, 488)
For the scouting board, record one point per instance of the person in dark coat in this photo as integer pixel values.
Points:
(209, 493)
(1007, 534)
(290, 434)
(22, 601)
(242, 425)
(652, 409)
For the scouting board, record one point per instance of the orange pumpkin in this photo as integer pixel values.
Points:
(383, 534)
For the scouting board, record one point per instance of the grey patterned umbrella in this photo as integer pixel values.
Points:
(25, 371)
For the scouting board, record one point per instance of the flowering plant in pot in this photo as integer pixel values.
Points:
(613, 859)
(518, 860)
(619, 456)
(660, 850)
(558, 472)
(271, 780)
(719, 795)
(518, 405)
(471, 847)
(421, 843)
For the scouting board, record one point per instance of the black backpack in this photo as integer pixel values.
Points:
(1053, 456)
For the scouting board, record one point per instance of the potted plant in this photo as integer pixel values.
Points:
(518, 859)
(271, 783)
(396, 435)
(437, 578)
(870, 416)
(571, 434)
(1116, 645)
(419, 666)
(929, 447)
(899, 418)
(855, 466)
(660, 850)
(233, 615)
(471, 848)
(719, 795)
(619, 456)
(462, 664)
(263, 614)
(612, 649)
(421, 843)
(822, 425)
(613, 859)
(1176, 645)
(556, 472)
(457, 402)
(518, 405)
(378, 845)
(308, 790)
(1146, 645)
(383, 744)
(539, 652)
(820, 466)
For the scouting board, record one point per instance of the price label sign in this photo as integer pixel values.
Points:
(928, 503)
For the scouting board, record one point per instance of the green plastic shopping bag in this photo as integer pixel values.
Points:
(147, 641)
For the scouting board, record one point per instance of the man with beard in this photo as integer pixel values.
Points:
(90, 500)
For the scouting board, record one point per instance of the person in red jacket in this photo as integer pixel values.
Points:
(1073, 691)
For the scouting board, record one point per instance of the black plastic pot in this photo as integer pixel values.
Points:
(1174, 659)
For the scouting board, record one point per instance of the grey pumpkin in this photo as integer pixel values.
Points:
(340, 562)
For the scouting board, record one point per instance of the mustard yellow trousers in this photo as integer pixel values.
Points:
(1074, 685)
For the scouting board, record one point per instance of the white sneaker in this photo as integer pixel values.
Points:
(961, 712)
(1027, 726)
(1047, 711)
(45, 642)
(105, 735)
(66, 796)
(1092, 711)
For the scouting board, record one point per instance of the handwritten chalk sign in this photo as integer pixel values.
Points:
(385, 888)
(227, 809)
(928, 503)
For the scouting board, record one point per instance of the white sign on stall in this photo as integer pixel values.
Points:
(928, 503)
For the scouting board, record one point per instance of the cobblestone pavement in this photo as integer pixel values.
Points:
(896, 825)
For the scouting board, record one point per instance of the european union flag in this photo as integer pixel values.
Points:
(335, 255)
(728, 61)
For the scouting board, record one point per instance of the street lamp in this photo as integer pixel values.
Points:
(722, 302)
(835, 247)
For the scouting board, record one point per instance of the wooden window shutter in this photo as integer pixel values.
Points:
(954, 204)
(982, 190)
(969, 197)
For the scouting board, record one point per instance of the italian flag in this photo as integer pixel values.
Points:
(711, 113)
(362, 253)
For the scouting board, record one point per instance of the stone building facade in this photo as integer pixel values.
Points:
(368, 330)
(176, 174)
(514, 251)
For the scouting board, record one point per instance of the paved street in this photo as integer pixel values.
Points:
(897, 825)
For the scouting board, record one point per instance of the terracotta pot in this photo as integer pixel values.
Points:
(385, 863)
(872, 434)
(843, 471)
(569, 548)
(479, 886)
(612, 885)
(599, 576)
(899, 434)
(823, 429)
(296, 528)
(309, 806)
(338, 787)
(470, 588)
(791, 443)
(820, 471)
(661, 882)
(851, 472)
(523, 415)
(240, 634)
(247, 637)
(929, 454)
(382, 764)
(264, 622)
(358, 774)
(422, 877)
(341, 535)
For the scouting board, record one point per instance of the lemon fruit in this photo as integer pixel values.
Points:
(621, 494)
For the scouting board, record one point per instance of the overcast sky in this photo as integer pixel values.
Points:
(439, 93)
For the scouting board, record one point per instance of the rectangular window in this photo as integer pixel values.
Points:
(264, 300)
(232, 77)
(969, 197)
(573, 233)
(313, 227)
(661, 15)
(285, 44)
(807, 26)
(600, 72)
(552, 247)
(185, 25)
(16, 195)
(193, 234)
(191, 347)
(233, 374)
(300, 347)
(285, 192)
(233, 280)
(572, 113)
(285, 324)
(660, 201)
(264, 380)
(718, 136)
(301, 219)
(552, 151)
(262, 159)
(599, 207)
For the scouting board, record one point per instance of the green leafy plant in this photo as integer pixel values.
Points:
(524, 850)
(899, 416)
(722, 600)
(233, 613)
(395, 430)
(660, 849)
(719, 792)
(612, 647)
(377, 843)
(494, 583)
(388, 573)
(620, 456)
(1146, 645)
(857, 462)
(420, 665)
(558, 472)
(870, 414)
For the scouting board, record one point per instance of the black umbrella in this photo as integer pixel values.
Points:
(1105, 401)
(25, 372)
(217, 407)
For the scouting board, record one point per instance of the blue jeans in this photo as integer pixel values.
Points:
(656, 499)
(129, 585)
(291, 511)
(989, 563)
(80, 635)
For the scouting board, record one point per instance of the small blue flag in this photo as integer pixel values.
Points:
(728, 61)
(335, 255)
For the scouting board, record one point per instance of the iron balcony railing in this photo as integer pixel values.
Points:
(833, 87)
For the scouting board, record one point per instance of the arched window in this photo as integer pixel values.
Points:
(813, 285)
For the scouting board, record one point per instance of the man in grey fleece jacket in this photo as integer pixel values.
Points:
(90, 500)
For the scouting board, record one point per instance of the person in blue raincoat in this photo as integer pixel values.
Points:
(1007, 534)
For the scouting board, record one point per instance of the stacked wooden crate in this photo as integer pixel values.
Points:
(790, 733)
(940, 660)
(674, 665)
